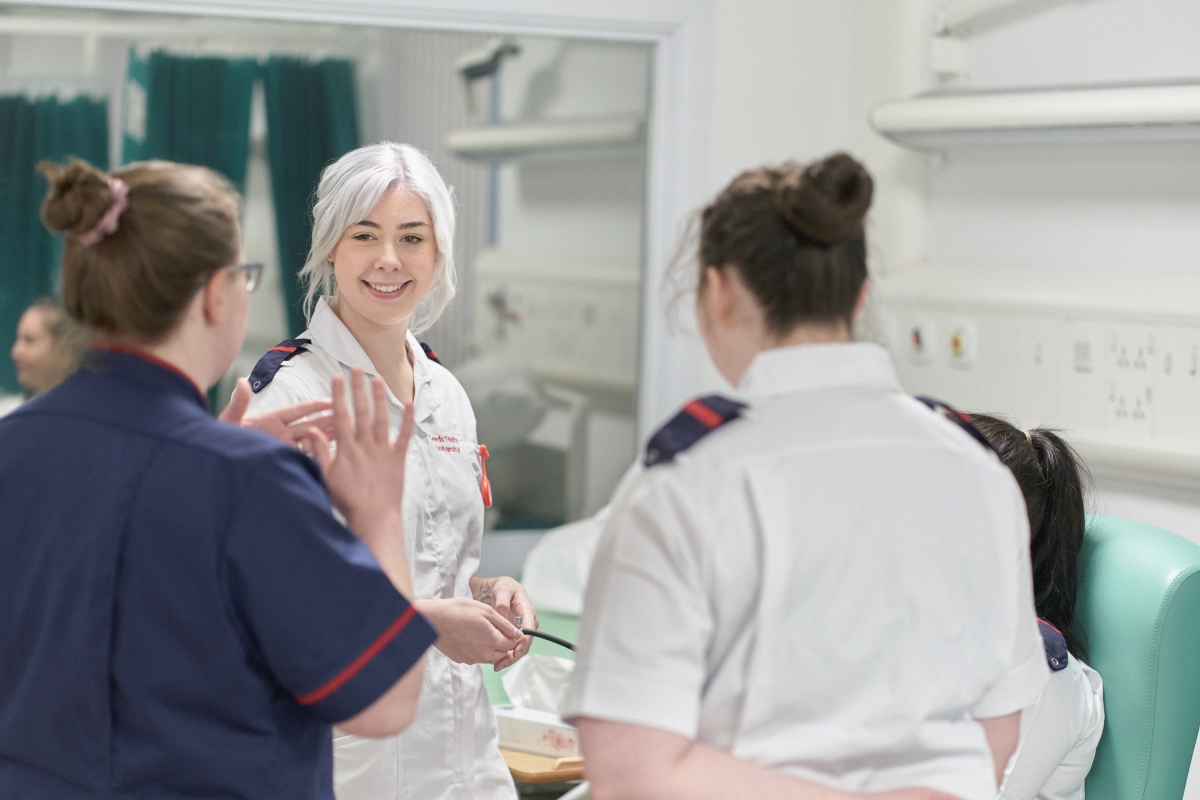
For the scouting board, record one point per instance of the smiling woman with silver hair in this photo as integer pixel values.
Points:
(381, 269)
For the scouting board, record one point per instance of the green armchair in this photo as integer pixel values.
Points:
(1139, 612)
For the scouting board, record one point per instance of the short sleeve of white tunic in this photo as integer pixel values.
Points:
(835, 586)
(1059, 737)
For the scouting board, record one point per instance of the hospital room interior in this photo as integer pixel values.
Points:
(1033, 247)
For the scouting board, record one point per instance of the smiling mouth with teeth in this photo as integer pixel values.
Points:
(386, 288)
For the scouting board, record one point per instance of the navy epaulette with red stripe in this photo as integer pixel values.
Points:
(432, 356)
(959, 418)
(264, 371)
(1055, 644)
(698, 418)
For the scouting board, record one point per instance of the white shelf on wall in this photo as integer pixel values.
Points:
(509, 140)
(1113, 362)
(1145, 113)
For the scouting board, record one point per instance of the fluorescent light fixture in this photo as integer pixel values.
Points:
(524, 139)
(1150, 113)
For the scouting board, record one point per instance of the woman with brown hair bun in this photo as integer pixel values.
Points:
(821, 588)
(182, 615)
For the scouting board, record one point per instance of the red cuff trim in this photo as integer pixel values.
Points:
(340, 680)
(709, 418)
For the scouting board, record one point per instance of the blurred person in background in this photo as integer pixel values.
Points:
(47, 350)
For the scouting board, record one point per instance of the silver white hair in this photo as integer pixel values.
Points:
(349, 188)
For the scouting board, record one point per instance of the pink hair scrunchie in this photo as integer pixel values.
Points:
(108, 223)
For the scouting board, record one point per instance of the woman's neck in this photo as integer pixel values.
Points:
(386, 346)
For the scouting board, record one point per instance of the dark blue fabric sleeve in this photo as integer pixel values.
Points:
(327, 622)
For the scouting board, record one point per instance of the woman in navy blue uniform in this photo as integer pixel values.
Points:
(181, 613)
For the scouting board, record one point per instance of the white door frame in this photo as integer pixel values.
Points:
(671, 364)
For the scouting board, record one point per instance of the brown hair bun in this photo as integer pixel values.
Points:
(180, 226)
(78, 196)
(826, 201)
(795, 236)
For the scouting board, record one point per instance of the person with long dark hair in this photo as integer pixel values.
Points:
(1059, 737)
(819, 588)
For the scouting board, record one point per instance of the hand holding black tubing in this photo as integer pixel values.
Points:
(548, 638)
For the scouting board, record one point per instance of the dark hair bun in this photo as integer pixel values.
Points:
(77, 198)
(827, 200)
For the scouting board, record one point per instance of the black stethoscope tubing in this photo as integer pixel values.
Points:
(548, 638)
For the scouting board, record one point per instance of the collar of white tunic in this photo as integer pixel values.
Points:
(811, 367)
(328, 332)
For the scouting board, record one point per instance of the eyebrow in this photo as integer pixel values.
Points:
(403, 227)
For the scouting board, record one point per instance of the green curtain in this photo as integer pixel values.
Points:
(311, 120)
(32, 131)
(197, 111)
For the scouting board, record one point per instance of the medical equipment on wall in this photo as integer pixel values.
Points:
(573, 320)
(572, 323)
(483, 63)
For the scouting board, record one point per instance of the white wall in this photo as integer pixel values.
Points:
(782, 83)
(1126, 209)
(781, 87)
(587, 206)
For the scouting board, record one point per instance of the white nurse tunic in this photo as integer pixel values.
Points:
(451, 750)
(835, 585)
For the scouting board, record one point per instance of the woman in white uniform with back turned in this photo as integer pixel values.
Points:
(825, 590)
(380, 269)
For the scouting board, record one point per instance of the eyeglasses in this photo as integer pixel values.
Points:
(254, 271)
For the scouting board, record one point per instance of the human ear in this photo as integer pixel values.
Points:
(720, 296)
(212, 296)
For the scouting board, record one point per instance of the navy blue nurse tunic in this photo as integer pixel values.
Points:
(180, 613)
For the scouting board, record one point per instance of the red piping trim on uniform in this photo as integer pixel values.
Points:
(153, 359)
(283, 349)
(353, 668)
(709, 418)
(1051, 627)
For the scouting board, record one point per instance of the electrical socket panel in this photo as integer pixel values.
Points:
(1129, 384)
(1129, 380)
(1038, 364)
(1177, 385)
